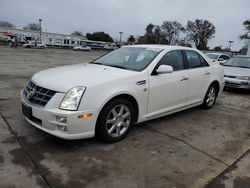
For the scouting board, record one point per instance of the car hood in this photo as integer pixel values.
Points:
(62, 79)
(236, 71)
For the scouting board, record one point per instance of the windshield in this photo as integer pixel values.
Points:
(213, 56)
(238, 62)
(132, 58)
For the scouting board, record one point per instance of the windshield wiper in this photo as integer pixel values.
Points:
(243, 67)
(97, 63)
(237, 66)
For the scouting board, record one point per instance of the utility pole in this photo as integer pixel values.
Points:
(40, 24)
(121, 37)
(230, 42)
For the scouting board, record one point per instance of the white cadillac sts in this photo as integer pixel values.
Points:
(130, 85)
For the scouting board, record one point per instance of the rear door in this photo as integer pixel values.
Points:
(199, 76)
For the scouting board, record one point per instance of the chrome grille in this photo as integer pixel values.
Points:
(37, 95)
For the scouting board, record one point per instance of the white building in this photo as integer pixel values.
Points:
(51, 39)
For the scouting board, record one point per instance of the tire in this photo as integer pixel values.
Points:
(42, 47)
(210, 97)
(115, 120)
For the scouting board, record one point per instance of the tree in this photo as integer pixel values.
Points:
(141, 40)
(78, 33)
(7, 24)
(149, 35)
(218, 48)
(99, 36)
(171, 31)
(131, 39)
(200, 31)
(32, 26)
(246, 25)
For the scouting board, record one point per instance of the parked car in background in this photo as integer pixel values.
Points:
(35, 45)
(218, 57)
(237, 72)
(129, 85)
(82, 48)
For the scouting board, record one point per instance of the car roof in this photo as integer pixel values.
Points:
(161, 46)
(214, 53)
(242, 56)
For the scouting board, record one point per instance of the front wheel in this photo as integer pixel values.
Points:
(210, 97)
(115, 120)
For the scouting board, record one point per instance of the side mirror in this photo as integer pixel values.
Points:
(162, 69)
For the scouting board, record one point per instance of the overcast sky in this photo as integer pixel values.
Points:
(129, 16)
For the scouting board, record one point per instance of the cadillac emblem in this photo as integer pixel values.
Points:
(31, 92)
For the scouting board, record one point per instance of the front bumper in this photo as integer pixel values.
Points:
(236, 83)
(45, 119)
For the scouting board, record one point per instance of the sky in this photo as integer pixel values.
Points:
(129, 16)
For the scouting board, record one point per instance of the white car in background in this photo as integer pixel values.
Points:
(83, 48)
(218, 57)
(35, 45)
(129, 85)
(237, 72)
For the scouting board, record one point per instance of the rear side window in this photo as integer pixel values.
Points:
(224, 57)
(174, 59)
(194, 60)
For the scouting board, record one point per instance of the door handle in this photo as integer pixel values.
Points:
(207, 73)
(184, 78)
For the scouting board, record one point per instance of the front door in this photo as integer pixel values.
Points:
(168, 92)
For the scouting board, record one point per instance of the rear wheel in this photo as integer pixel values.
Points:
(210, 97)
(115, 120)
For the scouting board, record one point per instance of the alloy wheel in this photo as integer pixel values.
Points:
(118, 120)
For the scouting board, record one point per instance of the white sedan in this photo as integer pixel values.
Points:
(129, 85)
(218, 57)
(83, 48)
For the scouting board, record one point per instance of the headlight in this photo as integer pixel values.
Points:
(243, 77)
(72, 99)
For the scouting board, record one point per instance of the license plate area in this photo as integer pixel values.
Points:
(27, 111)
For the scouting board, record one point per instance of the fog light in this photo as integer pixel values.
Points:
(61, 119)
(62, 128)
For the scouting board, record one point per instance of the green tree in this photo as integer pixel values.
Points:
(131, 39)
(7, 24)
(218, 48)
(141, 40)
(32, 26)
(149, 35)
(99, 36)
(171, 31)
(200, 31)
(246, 25)
(78, 33)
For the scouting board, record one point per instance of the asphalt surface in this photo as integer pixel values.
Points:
(193, 148)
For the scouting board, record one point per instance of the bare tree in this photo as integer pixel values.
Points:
(32, 26)
(171, 31)
(246, 25)
(200, 31)
(7, 24)
(78, 33)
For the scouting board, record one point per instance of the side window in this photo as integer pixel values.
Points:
(224, 57)
(203, 62)
(174, 59)
(194, 60)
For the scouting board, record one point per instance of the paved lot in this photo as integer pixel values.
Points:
(193, 148)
